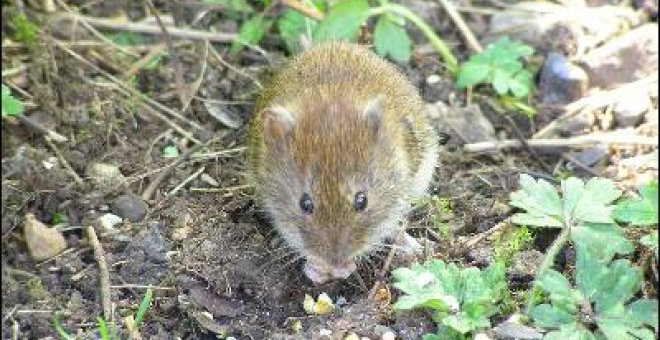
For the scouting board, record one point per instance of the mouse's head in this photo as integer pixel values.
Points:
(333, 178)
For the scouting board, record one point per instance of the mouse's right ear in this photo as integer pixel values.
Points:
(276, 122)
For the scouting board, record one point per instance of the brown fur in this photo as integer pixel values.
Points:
(314, 132)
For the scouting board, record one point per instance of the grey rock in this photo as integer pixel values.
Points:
(513, 331)
(526, 263)
(469, 123)
(589, 157)
(561, 81)
(630, 111)
(553, 27)
(130, 207)
(148, 254)
(575, 125)
(629, 57)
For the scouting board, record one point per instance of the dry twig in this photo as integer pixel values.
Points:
(64, 162)
(178, 71)
(104, 275)
(470, 39)
(182, 33)
(149, 191)
(611, 139)
(303, 9)
(598, 100)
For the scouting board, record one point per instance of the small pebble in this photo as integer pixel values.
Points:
(389, 335)
(561, 82)
(104, 175)
(630, 111)
(107, 223)
(206, 178)
(42, 242)
(433, 79)
(130, 207)
(325, 332)
(481, 336)
(352, 336)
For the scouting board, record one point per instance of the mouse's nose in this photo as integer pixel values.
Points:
(343, 269)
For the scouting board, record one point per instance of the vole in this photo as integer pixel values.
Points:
(338, 147)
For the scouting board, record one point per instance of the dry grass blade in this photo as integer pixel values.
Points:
(177, 32)
(178, 71)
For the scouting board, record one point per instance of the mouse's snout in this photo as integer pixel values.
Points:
(319, 270)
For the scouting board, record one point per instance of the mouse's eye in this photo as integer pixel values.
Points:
(360, 201)
(306, 204)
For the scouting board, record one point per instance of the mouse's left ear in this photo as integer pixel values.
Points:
(374, 111)
(276, 122)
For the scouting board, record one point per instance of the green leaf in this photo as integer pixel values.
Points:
(422, 289)
(501, 81)
(292, 25)
(614, 329)
(251, 32)
(521, 83)
(559, 288)
(618, 286)
(590, 271)
(10, 105)
(538, 198)
(644, 311)
(343, 21)
(459, 323)
(392, 39)
(474, 288)
(573, 331)
(471, 73)
(641, 210)
(603, 240)
(170, 151)
(593, 204)
(549, 316)
(536, 220)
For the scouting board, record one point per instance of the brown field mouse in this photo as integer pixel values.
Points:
(338, 147)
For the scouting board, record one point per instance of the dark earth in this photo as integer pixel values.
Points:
(216, 264)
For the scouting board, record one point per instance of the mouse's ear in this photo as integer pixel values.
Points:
(276, 122)
(374, 111)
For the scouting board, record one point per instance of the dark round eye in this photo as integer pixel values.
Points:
(306, 204)
(360, 201)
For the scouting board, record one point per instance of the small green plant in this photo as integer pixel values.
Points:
(499, 66)
(170, 151)
(461, 300)
(441, 209)
(105, 332)
(343, 22)
(582, 212)
(511, 243)
(11, 106)
(599, 306)
(25, 30)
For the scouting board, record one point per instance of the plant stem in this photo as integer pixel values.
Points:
(548, 261)
(436, 42)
